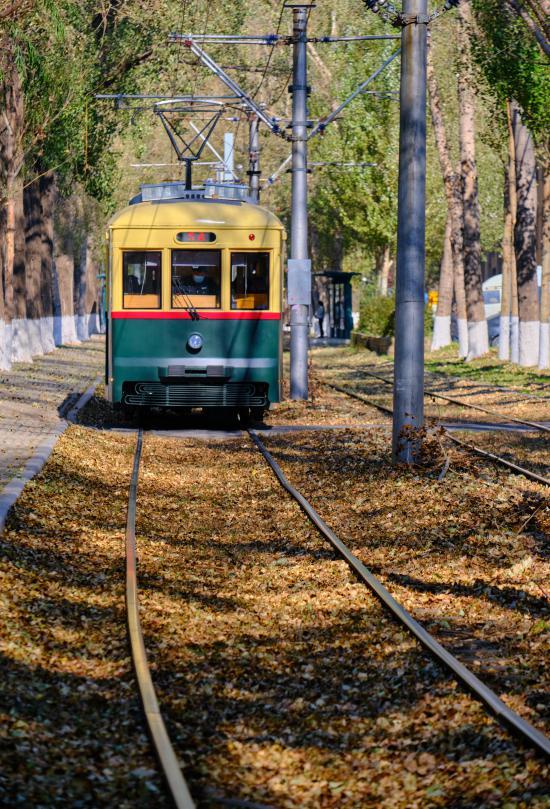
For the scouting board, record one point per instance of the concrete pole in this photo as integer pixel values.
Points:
(254, 160)
(299, 265)
(408, 391)
(228, 156)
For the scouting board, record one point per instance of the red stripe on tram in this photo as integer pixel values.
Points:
(202, 315)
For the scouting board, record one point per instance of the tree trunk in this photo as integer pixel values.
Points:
(33, 265)
(15, 343)
(5, 350)
(512, 190)
(383, 264)
(47, 197)
(544, 336)
(442, 321)
(86, 302)
(451, 182)
(461, 313)
(507, 257)
(478, 337)
(525, 241)
(21, 334)
(64, 271)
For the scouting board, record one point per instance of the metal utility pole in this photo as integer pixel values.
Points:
(254, 159)
(408, 391)
(299, 265)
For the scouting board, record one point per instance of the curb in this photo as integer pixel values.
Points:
(13, 489)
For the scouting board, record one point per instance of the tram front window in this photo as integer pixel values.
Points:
(250, 280)
(196, 279)
(141, 272)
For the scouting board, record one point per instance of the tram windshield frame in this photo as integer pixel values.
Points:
(250, 280)
(199, 285)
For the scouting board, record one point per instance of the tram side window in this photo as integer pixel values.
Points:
(141, 279)
(196, 279)
(250, 280)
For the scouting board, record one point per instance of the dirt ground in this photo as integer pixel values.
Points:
(283, 681)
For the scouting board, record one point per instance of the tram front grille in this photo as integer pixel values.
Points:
(196, 394)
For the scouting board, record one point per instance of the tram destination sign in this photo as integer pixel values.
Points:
(195, 236)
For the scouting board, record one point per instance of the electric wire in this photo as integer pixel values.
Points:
(270, 54)
(492, 702)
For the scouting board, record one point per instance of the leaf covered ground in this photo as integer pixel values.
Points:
(283, 682)
(352, 369)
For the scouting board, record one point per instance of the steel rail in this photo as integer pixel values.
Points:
(520, 470)
(178, 789)
(453, 400)
(497, 459)
(472, 683)
(494, 387)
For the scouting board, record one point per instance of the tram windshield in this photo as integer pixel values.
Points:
(250, 280)
(196, 278)
(141, 279)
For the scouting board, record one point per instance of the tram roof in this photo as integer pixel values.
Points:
(199, 214)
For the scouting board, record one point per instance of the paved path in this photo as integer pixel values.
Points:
(35, 396)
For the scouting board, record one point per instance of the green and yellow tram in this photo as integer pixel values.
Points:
(194, 303)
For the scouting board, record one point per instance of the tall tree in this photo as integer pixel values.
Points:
(544, 343)
(442, 321)
(525, 240)
(478, 337)
(509, 325)
(453, 195)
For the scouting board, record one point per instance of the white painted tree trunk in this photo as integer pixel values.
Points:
(478, 339)
(529, 342)
(21, 342)
(442, 332)
(47, 334)
(478, 335)
(508, 253)
(525, 241)
(504, 337)
(5, 346)
(442, 321)
(514, 339)
(544, 345)
(462, 326)
(544, 334)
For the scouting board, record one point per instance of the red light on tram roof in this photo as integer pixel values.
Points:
(251, 237)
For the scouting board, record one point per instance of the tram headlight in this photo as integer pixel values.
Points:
(194, 342)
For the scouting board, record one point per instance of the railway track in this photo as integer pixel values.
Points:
(463, 675)
(453, 400)
(164, 751)
(169, 765)
(435, 376)
(519, 470)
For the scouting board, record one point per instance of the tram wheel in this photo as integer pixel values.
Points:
(257, 414)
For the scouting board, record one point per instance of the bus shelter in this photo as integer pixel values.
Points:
(338, 291)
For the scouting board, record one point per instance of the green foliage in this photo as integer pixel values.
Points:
(377, 315)
(513, 63)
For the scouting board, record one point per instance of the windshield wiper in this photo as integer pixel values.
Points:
(189, 307)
